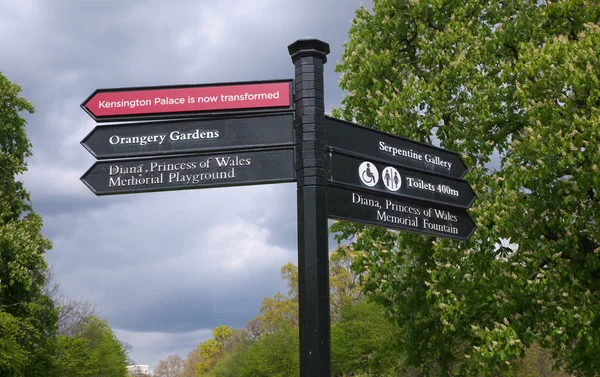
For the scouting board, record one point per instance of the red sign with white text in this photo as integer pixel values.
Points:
(161, 102)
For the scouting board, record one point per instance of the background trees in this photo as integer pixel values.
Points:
(173, 366)
(42, 332)
(363, 339)
(27, 315)
(514, 87)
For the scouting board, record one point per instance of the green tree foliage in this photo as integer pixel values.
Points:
(282, 309)
(29, 319)
(363, 340)
(274, 355)
(27, 315)
(212, 349)
(75, 358)
(14, 356)
(93, 351)
(515, 83)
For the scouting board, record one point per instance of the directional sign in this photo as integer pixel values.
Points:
(191, 172)
(350, 137)
(105, 105)
(384, 210)
(191, 136)
(395, 180)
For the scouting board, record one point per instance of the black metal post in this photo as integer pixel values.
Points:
(309, 56)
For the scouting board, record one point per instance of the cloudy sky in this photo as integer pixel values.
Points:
(163, 268)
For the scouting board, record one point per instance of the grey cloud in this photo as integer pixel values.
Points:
(150, 257)
(159, 345)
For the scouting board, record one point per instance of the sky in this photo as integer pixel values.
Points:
(163, 268)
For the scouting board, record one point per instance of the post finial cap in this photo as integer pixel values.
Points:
(309, 47)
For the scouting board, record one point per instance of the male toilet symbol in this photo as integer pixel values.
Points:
(391, 178)
(368, 174)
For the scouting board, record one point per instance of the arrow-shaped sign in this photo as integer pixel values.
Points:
(375, 175)
(350, 137)
(191, 172)
(384, 210)
(190, 136)
(106, 105)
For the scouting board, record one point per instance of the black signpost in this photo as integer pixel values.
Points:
(255, 134)
(309, 56)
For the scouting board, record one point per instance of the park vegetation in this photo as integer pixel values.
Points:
(43, 333)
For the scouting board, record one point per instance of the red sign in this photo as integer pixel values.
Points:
(161, 102)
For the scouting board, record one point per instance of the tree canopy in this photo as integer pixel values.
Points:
(513, 86)
(40, 335)
(27, 315)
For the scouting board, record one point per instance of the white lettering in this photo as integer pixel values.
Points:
(435, 160)
(394, 151)
(439, 227)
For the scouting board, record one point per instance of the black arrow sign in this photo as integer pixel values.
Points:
(373, 175)
(396, 213)
(350, 137)
(157, 138)
(191, 172)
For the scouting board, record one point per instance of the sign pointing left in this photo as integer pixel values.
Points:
(190, 136)
(191, 172)
(106, 105)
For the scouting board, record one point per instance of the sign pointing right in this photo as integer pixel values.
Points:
(383, 210)
(353, 171)
(349, 137)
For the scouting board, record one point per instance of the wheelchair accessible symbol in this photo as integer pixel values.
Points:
(368, 174)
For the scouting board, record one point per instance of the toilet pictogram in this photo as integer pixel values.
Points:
(391, 178)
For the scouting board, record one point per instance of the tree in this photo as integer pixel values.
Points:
(173, 366)
(363, 340)
(344, 285)
(107, 352)
(212, 349)
(514, 87)
(283, 309)
(274, 355)
(27, 315)
(71, 312)
(190, 361)
(75, 357)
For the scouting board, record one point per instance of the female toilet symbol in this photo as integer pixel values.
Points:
(391, 178)
(368, 174)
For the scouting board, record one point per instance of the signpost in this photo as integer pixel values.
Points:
(190, 136)
(253, 133)
(309, 56)
(105, 105)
